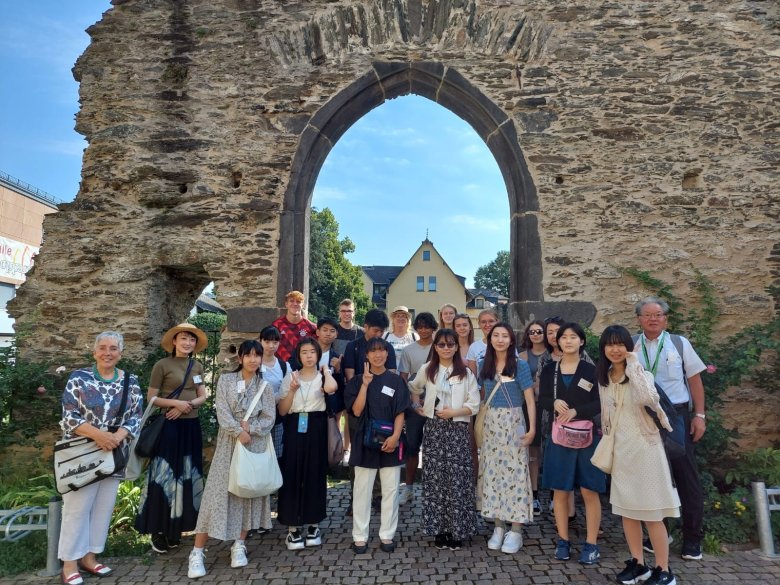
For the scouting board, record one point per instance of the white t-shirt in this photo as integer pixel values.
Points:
(274, 376)
(309, 397)
(476, 351)
(399, 343)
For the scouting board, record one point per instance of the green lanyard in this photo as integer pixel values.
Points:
(657, 355)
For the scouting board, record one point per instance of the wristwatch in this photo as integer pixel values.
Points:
(701, 415)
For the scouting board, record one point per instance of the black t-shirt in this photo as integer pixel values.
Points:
(355, 355)
(345, 336)
(379, 405)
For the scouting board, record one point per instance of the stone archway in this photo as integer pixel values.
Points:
(447, 87)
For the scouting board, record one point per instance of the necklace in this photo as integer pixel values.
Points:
(102, 379)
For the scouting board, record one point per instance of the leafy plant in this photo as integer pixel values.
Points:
(759, 465)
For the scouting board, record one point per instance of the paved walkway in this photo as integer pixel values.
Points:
(416, 561)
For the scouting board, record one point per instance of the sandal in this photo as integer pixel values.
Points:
(100, 570)
(72, 579)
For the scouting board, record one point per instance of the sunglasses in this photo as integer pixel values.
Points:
(535, 332)
(446, 345)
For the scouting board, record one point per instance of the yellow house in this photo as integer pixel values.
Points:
(425, 283)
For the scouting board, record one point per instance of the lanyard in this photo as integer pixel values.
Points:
(657, 355)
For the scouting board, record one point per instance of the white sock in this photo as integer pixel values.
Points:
(196, 549)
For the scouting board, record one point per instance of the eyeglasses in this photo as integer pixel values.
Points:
(446, 345)
(653, 316)
(535, 332)
(346, 310)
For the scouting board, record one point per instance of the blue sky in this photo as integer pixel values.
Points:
(404, 168)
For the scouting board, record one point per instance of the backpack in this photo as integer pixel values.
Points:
(674, 440)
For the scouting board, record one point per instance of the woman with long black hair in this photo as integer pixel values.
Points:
(504, 486)
(451, 398)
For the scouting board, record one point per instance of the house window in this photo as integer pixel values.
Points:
(379, 290)
(426, 255)
(432, 284)
(420, 283)
(479, 303)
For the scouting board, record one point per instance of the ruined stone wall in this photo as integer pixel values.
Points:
(649, 131)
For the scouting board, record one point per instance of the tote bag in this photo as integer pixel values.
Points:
(335, 442)
(136, 464)
(253, 475)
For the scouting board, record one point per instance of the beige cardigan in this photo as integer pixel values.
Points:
(642, 388)
(465, 392)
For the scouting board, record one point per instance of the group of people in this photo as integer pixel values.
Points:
(398, 389)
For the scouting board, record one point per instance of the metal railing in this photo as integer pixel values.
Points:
(767, 501)
(16, 524)
(28, 189)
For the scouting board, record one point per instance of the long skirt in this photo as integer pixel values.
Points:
(448, 480)
(171, 498)
(304, 491)
(504, 486)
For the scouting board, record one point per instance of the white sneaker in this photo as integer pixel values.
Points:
(294, 540)
(238, 555)
(497, 539)
(406, 495)
(196, 567)
(513, 542)
(313, 536)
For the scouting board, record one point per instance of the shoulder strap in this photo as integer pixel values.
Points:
(495, 389)
(256, 399)
(283, 366)
(178, 390)
(386, 335)
(678, 345)
(125, 392)
(415, 336)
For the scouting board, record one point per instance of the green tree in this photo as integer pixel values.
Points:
(332, 277)
(494, 274)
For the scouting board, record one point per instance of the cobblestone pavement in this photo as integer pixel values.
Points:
(415, 560)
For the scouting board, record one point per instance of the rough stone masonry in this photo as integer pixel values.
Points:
(628, 133)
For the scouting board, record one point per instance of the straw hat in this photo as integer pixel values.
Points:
(167, 339)
(402, 309)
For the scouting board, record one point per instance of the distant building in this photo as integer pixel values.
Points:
(425, 283)
(22, 209)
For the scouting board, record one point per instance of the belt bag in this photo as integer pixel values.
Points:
(376, 432)
(575, 434)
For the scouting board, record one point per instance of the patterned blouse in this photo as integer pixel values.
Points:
(89, 400)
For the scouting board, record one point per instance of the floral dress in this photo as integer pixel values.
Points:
(222, 514)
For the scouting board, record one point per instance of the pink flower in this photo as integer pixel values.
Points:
(41, 390)
(711, 369)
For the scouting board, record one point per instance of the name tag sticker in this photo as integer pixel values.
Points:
(672, 358)
(585, 385)
(240, 386)
(389, 391)
(197, 379)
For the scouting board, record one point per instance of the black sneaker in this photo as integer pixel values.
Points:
(648, 547)
(633, 573)
(159, 544)
(453, 544)
(172, 542)
(691, 551)
(440, 541)
(661, 577)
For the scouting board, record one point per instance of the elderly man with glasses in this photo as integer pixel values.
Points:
(677, 369)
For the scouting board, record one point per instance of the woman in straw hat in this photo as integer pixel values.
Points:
(171, 498)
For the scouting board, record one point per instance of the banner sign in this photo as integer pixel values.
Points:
(16, 259)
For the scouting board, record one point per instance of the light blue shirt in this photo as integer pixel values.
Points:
(669, 374)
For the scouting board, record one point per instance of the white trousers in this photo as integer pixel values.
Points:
(86, 516)
(389, 477)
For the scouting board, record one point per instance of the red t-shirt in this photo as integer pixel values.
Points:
(292, 333)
